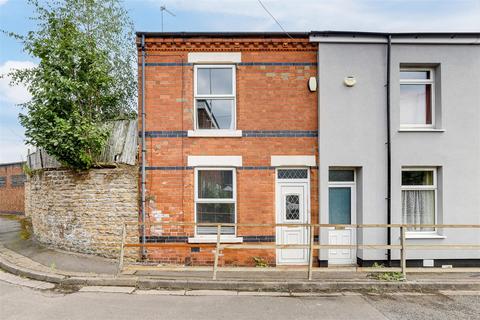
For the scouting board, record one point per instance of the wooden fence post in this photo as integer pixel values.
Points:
(310, 259)
(217, 251)
(122, 250)
(403, 260)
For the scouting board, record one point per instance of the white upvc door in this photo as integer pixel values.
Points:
(342, 210)
(292, 202)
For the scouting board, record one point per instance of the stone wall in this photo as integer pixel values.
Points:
(83, 211)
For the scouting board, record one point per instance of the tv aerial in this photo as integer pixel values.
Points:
(164, 9)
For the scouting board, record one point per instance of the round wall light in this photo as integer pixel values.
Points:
(312, 84)
(349, 81)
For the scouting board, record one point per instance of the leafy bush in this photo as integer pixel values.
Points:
(84, 78)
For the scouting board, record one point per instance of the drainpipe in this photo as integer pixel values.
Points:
(144, 150)
(389, 156)
(318, 143)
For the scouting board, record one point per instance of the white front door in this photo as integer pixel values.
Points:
(341, 204)
(292, 208)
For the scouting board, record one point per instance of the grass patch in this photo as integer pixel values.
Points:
(385, 276)
(260, 262)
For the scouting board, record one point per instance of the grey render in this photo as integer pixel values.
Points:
(352, 133)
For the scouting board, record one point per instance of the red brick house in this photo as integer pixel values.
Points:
(230, 136)
(12, 191)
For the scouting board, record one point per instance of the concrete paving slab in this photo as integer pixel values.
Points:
(210, 293)
(34, 284)
(107, 289)
(459, 293)
(161, 292)
(408, 293)
(264, 293)
(314, 294)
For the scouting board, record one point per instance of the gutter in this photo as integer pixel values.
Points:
(144, 150)
(389, 155)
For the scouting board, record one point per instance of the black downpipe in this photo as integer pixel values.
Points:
(389, 157)
(144, 150)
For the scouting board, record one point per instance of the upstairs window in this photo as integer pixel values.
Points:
(417, 87)
(214, 97)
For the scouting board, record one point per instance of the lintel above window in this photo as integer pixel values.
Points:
(214, 57)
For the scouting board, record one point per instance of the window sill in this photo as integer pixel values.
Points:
(215, 133)
(213, 239)
(420, 130)
(424, 236)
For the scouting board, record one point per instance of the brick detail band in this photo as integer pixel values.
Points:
(184, 239)
(169, 168)
(245, 134)
(173, 168)
(164, 134)
(280, 133)
(276, 64)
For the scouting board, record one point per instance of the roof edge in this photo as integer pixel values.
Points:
(393, 34)
(240, 34)
(7, 164)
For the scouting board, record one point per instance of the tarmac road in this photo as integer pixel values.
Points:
(20, 302)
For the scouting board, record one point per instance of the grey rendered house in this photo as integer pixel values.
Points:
(399, 142)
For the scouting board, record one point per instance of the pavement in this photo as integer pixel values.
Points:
(29, 299)
(21, 255)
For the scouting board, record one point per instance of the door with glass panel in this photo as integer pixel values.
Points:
(292, 209)
(341, 211)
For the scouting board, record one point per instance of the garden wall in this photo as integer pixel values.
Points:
(83, 211)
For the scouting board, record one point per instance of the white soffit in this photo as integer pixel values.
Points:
(214, 57)
(396, 39)
(214, 161)
(279, 161)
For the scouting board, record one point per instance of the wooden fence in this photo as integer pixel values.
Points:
(311, 245)
(121, 147)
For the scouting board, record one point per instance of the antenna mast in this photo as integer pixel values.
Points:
(164, 8)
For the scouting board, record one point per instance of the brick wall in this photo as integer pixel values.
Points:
(83, 212)
(12, 188)
(275, 110)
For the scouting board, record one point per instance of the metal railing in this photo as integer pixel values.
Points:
(311, 246)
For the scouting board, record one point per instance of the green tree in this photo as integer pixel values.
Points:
(85, 77)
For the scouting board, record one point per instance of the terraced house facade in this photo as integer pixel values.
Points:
(255, 128)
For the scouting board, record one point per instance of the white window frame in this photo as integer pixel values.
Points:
(232, 96)
(433, 187)
(354, 181)
(430, 81)
(213, 238)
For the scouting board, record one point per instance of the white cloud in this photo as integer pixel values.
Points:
(11, 133)
(2, 2)
(13, 94)
(355, 15)
(13, 151)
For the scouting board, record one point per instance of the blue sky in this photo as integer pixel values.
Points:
(233, 15)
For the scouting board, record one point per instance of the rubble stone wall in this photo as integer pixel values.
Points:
(83, 211)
